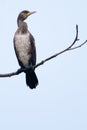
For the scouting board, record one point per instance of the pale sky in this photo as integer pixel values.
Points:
(60, 100)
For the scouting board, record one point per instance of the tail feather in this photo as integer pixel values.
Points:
(31, 79)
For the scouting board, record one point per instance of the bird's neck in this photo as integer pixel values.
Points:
(22, 26)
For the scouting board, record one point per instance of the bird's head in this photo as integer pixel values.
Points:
(24, 14)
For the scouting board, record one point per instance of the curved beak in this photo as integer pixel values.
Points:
(29, 13)
(32, 12)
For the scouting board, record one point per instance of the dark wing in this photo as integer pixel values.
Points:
(33, 57)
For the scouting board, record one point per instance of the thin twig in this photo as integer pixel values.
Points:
(49, 58)
(73, 48)
(67, 49)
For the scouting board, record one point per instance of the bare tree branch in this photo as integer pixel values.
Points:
(49, 58)
(65, 50)
(73, 48)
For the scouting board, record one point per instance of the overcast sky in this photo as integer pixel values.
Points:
(60, 100)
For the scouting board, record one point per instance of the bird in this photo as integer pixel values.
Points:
(25, 49)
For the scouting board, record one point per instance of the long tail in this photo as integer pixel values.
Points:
(31, 79)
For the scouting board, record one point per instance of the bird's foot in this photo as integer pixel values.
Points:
(20, 70)
(30, 68)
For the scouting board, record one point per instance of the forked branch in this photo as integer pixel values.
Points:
(69, 48)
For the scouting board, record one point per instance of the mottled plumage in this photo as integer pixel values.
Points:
(25, 49)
